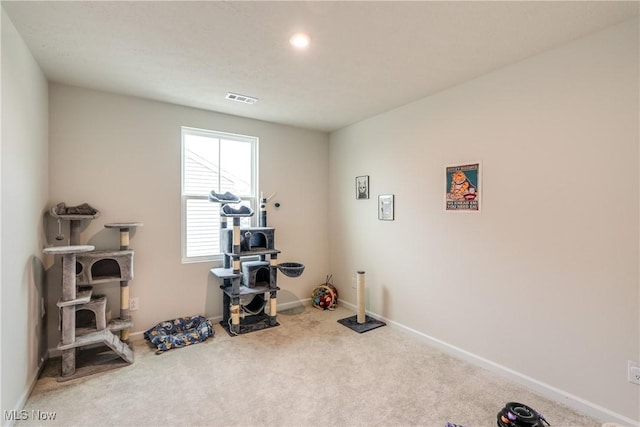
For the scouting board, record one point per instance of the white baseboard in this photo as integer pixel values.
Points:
(294, 304)
(25, 395)
(583, 406)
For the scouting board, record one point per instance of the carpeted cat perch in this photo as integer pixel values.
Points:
(361, 322)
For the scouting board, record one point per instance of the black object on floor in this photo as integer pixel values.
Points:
(369, 323)
(516, 414)
(252, 323)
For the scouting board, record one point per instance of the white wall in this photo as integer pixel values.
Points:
(24, 174)
(122, 156)
(544, 280)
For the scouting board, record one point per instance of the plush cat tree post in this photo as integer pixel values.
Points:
(70, 299)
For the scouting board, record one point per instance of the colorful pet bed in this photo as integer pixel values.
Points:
(179, 332)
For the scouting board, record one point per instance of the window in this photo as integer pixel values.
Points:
(220, 162)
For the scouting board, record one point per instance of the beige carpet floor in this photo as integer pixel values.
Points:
(309, 371)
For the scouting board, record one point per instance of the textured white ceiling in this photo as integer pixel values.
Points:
(365, 57)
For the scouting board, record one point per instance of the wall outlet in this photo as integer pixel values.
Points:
(134, 304)
(634, 372)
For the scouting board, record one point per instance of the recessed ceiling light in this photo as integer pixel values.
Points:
(241, 98)
(299, 40)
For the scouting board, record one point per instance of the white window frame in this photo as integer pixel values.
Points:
(251, 198)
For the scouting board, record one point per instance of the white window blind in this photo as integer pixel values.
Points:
(220, 162)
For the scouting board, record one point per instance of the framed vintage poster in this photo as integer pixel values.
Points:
(463, 187)
(362, 187)
(385, 207)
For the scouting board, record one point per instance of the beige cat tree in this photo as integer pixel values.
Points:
(83, 267)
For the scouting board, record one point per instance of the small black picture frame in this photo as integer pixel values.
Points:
(362, 187)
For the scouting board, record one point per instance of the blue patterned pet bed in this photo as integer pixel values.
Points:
(179, 332)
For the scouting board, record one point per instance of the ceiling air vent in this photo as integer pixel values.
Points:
(241, 98)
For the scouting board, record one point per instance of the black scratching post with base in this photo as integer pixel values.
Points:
(361, 322)
(368, 324)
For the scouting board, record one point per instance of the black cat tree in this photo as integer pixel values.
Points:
(249, 273)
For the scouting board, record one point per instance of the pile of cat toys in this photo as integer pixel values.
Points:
(325, 296)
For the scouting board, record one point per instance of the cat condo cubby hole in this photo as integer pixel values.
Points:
(253, 239)
(92, 315)
(104, 266)
(256, 274)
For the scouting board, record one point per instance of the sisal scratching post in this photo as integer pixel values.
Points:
(236, 245)
(125, 298)
(361, 322)
(362, 318)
